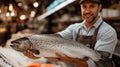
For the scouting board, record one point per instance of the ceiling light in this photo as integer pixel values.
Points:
(36, 4)
(0, 11)
(20, 4)
(10, 7)
(7, 14)
(23, 17)
(12, 13)
(32, 14)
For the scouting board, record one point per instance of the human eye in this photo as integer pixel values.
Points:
(92, 6)
(84, 7)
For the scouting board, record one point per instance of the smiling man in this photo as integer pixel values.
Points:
(92, 32)
(90, 11)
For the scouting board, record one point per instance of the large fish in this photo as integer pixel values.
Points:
(47, 45)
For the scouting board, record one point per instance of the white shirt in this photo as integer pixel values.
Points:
(106, 37)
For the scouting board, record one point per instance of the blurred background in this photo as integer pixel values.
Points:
(48, 16)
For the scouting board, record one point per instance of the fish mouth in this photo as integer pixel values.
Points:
(13, 43)
(16, 47)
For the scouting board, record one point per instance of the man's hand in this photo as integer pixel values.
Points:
(61, 57)
(78, 62)
(29, 54)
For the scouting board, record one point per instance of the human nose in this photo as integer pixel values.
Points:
(87, 10)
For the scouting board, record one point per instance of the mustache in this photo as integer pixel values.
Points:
(88, 14)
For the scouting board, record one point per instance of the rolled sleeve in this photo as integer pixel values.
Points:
(91, 63)
(67, 33)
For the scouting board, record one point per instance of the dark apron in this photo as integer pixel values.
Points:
(89, 41)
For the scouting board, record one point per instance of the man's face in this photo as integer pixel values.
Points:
(89, 11)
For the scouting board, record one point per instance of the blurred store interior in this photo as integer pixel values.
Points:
(34, 16)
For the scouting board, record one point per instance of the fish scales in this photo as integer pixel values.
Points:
(48, 45)
(51, 42)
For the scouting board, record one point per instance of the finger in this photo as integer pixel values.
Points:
(65, 58)
(28, 53)
(25, 53)
(52, 59)
(61, 55)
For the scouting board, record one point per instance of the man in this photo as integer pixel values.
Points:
(92, 32)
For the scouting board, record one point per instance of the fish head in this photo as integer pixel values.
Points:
(21, 44)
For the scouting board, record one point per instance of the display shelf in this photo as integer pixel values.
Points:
(112, 18)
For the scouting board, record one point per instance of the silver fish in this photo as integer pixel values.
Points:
(47, 45)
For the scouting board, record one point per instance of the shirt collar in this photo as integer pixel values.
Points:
(98, 22)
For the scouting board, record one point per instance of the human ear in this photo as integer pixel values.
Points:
(100, 7)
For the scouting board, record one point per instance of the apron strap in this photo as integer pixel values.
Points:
(96, 31)
(92, 43)
(78, 34)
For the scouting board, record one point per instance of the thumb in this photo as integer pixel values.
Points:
(61, 55)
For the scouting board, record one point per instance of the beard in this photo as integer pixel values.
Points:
(89, 17)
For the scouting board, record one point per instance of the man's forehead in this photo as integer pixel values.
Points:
(88, 2)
